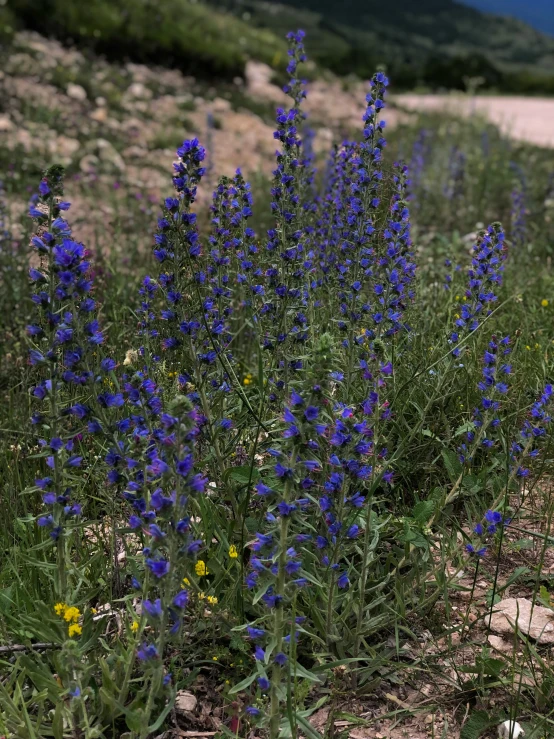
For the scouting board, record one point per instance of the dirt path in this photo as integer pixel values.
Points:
(521, 118)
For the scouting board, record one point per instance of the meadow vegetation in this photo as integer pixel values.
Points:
(287, 461)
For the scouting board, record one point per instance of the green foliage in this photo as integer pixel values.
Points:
(183, 33)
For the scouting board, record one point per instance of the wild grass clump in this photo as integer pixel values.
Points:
(312, 433)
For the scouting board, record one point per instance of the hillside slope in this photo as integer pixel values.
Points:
(437, 42)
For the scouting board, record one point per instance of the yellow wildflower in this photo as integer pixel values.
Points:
(72, 614)
(201, 596)
(186, 581)
(544, 303)
(201, 568)
(134, 626)
(233, 552)
(528, 348)
(93, 611)
(75, 630)
(59, 608)
(214, 659)
(212, 600)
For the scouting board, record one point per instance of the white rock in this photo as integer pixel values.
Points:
(220, 105)
(138, 90)
(76, 92)
(519, 613)
(500, 644)
(185, 701)
(510, 730)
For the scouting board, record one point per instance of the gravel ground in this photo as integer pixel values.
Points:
(522, 118)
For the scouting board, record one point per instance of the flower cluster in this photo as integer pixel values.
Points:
(71, 615)
(486, 419)
(456, 172)
(485, 276)
(493, 520)
(64, 341)
(357, 255)
(177, 248)
(394, 268)
(518, 213)
(534, 430)
(283, 320)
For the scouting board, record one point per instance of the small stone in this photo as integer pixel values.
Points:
(76, 92)
(5, 124)
(100, 115)
(139, 90)
(89, 163)
(498, 643)
(509, 729)
(220, 105)
(185, 701)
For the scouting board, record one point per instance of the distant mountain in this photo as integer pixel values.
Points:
(538, 13)
(437, 43)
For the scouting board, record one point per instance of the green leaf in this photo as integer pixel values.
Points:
(452, 464)
(473, 484)
(423, 511)
(489, 666)
(57, 722)
(239, 687)
(309, 730)
(299, 671)
(161, 718)
(244, 475)
(414, 537)
(476, 725)
(430, 434)
(464, 428)
(260, 594)
(134, 720)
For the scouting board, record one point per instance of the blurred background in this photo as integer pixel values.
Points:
(508, 45)
(109, 88)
